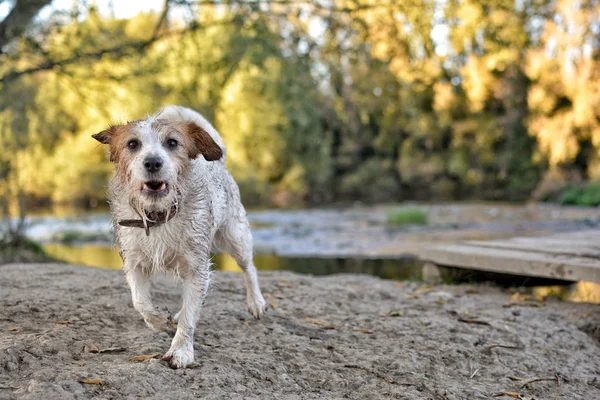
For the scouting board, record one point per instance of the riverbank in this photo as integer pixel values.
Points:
(350, 336)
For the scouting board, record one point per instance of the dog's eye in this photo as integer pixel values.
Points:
(133, 144)
(172, 143)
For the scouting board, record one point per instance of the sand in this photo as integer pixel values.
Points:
(341, 336)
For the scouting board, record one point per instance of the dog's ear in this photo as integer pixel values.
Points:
(203, 143)
(104, 136)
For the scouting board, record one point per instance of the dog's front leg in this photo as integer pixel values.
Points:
(195, 286)
(139, 284)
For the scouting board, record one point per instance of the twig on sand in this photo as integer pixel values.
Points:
(474, 373)
(509, 394)
(504, 346)
(473, 321)
(379, 375)
(525, 384)
(557, 376)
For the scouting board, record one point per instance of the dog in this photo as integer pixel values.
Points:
(174, 203)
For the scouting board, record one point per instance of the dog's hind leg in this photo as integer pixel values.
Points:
(139, 284)
(237, 242)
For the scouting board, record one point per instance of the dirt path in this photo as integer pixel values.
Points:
(344, 336)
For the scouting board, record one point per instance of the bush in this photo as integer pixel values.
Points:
(407, 216)
(587, 194)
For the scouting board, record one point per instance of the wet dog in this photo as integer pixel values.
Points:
(174, 203)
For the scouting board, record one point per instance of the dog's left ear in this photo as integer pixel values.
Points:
(104, 136)
(203, 143)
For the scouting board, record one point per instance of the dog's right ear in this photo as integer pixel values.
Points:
(105, 136)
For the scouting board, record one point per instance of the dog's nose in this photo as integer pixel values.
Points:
(153, 164)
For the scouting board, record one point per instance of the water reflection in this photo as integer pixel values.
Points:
(404, 269)
(102, 256)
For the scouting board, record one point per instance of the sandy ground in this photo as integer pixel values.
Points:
(343, 336)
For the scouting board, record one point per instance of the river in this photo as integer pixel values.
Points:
(338, 240)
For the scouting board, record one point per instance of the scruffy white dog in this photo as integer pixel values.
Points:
(174, 203)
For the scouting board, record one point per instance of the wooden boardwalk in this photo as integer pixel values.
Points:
(571, 256)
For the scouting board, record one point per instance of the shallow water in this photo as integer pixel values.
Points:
(342, 240)
(402, 269)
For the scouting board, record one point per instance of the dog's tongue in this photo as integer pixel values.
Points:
(152, 185)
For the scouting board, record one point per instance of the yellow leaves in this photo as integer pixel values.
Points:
(96, 381)
(320, 323)
(478, 81)
(445, 98)
(144, 357)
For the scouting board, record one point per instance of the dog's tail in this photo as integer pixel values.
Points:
(178, 113)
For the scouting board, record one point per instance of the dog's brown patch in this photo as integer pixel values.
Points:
(117, 137)
(202, 143)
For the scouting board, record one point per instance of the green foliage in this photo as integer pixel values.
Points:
(371, 104)
(407, 216)
(583, 195)
(25, 251)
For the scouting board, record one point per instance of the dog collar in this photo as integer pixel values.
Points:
(154, 218)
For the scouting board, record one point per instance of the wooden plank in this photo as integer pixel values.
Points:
(589, 234)
(570, 268)
(542, 245)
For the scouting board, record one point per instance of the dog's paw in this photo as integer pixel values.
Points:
(256, 305)
(158, 321)
(180, 357)
(176, 317)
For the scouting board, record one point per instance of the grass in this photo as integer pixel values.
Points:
(27, 251)
(407, 216)
(587, 194)
(70, 237)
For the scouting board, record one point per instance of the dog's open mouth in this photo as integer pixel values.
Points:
(155, 187)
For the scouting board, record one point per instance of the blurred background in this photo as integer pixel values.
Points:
(320, 103)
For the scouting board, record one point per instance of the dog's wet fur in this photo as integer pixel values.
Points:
(174, 162)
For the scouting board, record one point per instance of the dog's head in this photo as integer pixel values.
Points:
(153, 156)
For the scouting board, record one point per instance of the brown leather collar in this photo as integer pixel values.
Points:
(154, 218)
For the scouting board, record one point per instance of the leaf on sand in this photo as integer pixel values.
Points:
(62, 322)
(96, 381)
(472, 291)
(273, 304)
(367, 331)
(423, 289)
(144, 357)
(14, 329)
(470, 320)
(509, 394)
(413, 296)
(117, 349)
(320, 323)
(395, 313)
(90, 348)
(283, 284)
(522, 304)
(440, 302)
